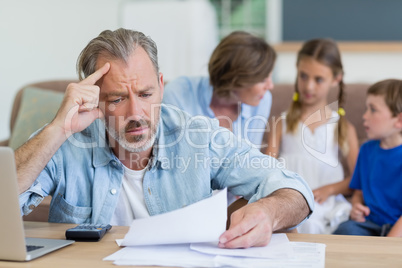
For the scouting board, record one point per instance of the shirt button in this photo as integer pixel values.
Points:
(113, 191)
(31, 207)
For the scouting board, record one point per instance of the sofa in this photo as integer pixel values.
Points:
(282, 98)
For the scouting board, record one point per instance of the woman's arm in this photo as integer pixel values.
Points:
(274, 136)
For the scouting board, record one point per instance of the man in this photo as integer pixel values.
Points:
(114, 153)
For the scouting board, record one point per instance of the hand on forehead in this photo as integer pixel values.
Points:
(98, 74)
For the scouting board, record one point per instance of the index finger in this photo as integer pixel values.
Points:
(93, 78)
(236, 230)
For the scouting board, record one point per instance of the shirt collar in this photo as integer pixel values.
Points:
(159, 153)
(246, 111)
(205, 96)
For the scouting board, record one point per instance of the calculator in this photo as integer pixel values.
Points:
(88, 232)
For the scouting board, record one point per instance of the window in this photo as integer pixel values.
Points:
(246, 15)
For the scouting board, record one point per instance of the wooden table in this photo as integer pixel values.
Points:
(341, 251)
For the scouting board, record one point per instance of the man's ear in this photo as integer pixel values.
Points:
(161, 85)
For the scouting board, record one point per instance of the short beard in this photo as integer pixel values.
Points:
(133, 146)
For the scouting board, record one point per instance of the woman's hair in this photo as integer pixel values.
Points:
(240, 60)
(115, 45)
(391, 90)
(326, 52)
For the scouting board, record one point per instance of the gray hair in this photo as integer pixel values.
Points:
(118, 44)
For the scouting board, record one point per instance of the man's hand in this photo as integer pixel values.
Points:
(250, 226)
(78, 110)
(253, 224)
(80, 106)
(359, 212)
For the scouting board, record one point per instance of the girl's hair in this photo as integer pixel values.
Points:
(240, 60)
(326, 52)
(391, 90)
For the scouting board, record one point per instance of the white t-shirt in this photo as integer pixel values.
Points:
(131, 204)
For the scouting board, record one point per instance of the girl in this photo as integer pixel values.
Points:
(309, 136)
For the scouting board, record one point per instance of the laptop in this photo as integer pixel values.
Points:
(13, 244)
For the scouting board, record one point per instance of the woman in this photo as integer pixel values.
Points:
(237, 89)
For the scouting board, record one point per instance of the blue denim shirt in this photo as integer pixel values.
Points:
(191, 157)
(194, 95)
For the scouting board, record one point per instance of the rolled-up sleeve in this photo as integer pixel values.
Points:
(30, 199)
(251, 174)
(42, 187)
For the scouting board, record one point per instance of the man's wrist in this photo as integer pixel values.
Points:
(286, 207)
(269, 204)
(57, 132)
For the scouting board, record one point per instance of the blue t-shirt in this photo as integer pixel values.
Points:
(194, 95)
(378, 174)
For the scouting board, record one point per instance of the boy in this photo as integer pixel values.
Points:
(377, 179)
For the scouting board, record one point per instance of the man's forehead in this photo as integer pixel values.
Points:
(121, 74)
(120, 85)
(138, 54)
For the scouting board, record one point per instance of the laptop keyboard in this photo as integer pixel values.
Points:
(31, 247)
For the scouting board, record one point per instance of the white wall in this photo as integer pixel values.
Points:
(186, 33)
(41, 40)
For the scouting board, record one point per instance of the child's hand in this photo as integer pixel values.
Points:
(359, 212)
(321, 194)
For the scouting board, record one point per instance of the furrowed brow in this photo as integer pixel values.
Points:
(113, 94)
(146, 89)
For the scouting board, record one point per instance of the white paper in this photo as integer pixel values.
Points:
(203, 221)
(166, 239)
(162, 255)
(118, 254)
(305, 255)
(278, 247)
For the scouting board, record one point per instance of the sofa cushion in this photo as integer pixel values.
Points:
(38, 107)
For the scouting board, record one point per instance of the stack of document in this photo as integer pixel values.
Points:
(188, 237)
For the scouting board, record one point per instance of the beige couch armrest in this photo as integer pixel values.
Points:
(4, 143)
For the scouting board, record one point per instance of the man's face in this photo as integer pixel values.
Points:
(130, 98)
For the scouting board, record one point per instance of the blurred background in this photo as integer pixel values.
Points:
(41, 39)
